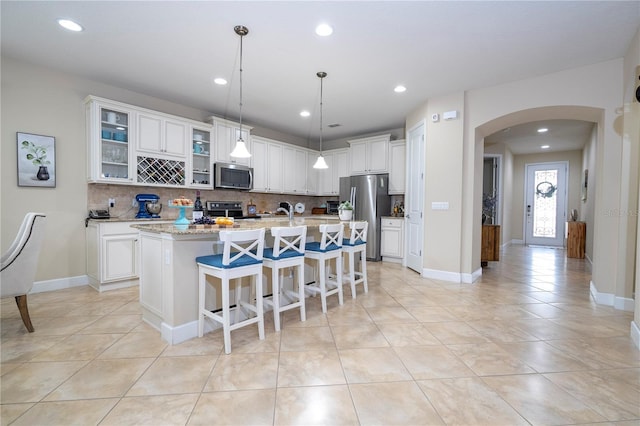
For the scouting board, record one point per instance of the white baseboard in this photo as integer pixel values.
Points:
(59, 284)
(625, 304)
(472, 277)
(608, 299)
(517, 242)
(635, 334)
(442, 275)
(392, 259)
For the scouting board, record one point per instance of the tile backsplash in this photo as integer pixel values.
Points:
(98, 196)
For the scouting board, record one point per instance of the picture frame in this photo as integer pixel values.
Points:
(36, 156)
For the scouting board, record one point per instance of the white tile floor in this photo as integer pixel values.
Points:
(523, 345)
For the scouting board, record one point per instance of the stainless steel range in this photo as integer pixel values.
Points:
(224, 208)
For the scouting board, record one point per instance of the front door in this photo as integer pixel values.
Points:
(415, 197)
(545, 203)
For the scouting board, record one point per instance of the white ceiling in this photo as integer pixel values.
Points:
(173, 49)
(562, 135)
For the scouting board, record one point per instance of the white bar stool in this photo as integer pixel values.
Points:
(287, 252)
(357, 243)
(244, 261)
(329, 247)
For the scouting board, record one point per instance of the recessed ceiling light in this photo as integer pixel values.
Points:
(324, 30)
(545, 147)
(305, 113)
(542, 130)
(400, 89)
(221, 81)
(70, 25)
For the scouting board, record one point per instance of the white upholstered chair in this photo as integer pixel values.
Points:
(287, 252)
(20, 262)
(329, 247)
(356, 244)
(241, 257)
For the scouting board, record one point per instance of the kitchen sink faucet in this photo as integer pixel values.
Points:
(290, 212)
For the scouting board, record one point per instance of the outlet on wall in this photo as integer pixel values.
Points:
(112, 202)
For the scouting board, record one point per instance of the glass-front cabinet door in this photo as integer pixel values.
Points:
(109, 130)
(201, 158)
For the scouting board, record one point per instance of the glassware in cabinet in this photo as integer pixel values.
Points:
(201, 158)
(114, 142)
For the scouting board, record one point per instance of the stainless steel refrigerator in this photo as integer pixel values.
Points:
(370, 197)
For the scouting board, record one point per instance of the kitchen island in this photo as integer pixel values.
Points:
(169, 273)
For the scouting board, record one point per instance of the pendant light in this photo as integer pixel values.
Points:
(240, 150)
(320, 163)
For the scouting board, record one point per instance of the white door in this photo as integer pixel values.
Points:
(415, 197)
(545, 203)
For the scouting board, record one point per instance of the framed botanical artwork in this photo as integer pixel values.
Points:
(36, 160)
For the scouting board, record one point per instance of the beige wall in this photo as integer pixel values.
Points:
(46, 102)
(443, 150)
(574, 158)
(587, 207)
(590, 93)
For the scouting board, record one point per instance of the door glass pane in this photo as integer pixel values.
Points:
(544, 205)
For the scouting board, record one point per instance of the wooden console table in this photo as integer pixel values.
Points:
(576, 237)
(490, 244)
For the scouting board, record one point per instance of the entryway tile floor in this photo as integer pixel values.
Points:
(525, 344)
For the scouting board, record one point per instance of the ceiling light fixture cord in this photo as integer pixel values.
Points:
(320, 162)
(240, 149)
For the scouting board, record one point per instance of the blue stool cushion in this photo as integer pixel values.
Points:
(345, 242)
(268, 253)
(315, 246)
(215, 260)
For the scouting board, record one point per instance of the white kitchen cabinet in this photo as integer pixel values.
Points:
(112, 255)
(162, 135)
(259, 164)
(266, 161)
(294, 162)
(392, 239)
(369, 155)
(329, 179)
(312, 174)
(109, 129)
(201, 164)
(274, 169)
(226, 135)
(397, 167)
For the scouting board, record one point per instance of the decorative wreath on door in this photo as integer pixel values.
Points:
(545, 189)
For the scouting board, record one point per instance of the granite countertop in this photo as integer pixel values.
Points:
(131, 219)
(171, 228)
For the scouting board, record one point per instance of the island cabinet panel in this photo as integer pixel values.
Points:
(490, 244)
(576, 238)
(169, 272)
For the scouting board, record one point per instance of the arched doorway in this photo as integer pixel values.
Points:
(585, 114)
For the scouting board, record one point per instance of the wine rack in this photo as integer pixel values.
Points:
(160, 171)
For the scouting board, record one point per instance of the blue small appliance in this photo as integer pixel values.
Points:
(142, 200)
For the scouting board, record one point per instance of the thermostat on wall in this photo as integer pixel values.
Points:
(435, 117)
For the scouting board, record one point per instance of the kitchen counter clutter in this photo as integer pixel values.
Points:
(169, 273)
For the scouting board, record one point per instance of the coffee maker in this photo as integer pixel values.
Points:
(146, 211)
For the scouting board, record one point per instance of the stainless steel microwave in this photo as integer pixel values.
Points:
(233, 176)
